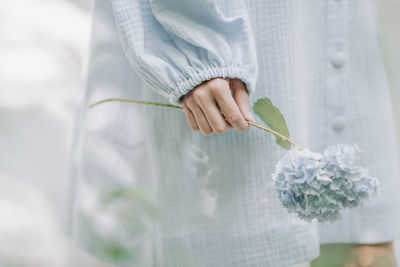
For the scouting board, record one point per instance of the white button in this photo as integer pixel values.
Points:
(338, 60)
(338, 124)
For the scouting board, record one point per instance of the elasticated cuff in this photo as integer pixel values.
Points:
(232, 71)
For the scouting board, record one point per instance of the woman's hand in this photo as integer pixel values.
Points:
(218, 105)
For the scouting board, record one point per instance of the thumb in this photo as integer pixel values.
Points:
(241, 98)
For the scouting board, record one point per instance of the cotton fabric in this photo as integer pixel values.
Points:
(318, 61)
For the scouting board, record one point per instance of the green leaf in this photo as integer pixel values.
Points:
(273, 118)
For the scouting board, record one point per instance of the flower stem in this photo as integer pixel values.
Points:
(284, 138)
(134, 101)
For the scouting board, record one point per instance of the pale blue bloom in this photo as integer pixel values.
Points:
(318, 186)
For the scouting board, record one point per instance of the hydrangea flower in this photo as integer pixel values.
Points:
(318, 186)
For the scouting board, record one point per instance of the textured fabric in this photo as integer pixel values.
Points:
(175, 45)
(318, 61)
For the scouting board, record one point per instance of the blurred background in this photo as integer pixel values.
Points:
(43, 44)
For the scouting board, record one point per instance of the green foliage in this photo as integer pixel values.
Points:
(136, 214)
(116, 251)
(271, 115)
(136, 198)
(333, 255)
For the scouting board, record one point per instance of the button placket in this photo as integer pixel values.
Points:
(338, 60)
(337, 84)
(339, 123)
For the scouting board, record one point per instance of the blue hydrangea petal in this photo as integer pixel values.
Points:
(318, 186)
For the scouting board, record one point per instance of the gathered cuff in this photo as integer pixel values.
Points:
(232, 71)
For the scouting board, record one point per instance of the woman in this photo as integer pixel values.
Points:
(318, 61)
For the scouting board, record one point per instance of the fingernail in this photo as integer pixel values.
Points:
(251, 116)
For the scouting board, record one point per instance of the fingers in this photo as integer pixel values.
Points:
(199, 116)
(241, 98)
(222, 93)
(190, 118)
(209, 107)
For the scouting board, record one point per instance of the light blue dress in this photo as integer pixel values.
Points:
(319, 61)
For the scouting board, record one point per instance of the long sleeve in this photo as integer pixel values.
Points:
(174, 45)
